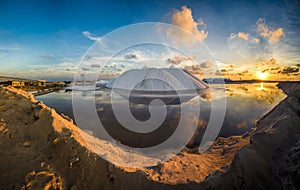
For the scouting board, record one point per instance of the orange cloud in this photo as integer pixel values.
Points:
(241, 35)
(195, 69)
(273, 36)
(183, 18)
(176, 60)
(267, 63)
(256, 40)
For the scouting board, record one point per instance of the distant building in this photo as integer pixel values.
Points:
(22, 83)
(217, 80)
(17, 83)
(41, 82)
(36, 83)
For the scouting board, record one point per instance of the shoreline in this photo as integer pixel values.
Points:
(50, 135)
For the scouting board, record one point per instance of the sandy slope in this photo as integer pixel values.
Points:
(272, 159)
(41, 149)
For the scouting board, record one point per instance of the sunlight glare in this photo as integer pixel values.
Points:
(262, 75)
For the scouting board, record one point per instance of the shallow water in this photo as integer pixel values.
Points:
(246, 103)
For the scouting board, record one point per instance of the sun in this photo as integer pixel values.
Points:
(262, 75)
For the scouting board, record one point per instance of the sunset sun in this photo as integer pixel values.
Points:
(262, 75)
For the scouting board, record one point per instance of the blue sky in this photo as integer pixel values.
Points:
(43, 34)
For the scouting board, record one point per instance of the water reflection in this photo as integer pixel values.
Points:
(261, 86)
(260, 91)
(246, 103)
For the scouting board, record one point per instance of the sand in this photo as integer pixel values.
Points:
(272, 159)
(41, 149)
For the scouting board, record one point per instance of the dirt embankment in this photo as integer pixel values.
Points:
(272, 159)
(41, 149)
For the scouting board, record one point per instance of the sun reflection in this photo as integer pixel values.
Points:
(261, 86)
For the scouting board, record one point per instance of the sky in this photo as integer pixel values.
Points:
(249, 39)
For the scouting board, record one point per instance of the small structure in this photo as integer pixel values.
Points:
(217, 80)
(101, 83)
(41, 82)
(16, 83)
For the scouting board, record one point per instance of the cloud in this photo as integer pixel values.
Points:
(218, 72)
(184, 19)
(85, 69)
(130, 56)
(289, 69)
(95, 65)
(195, 69)
(10, 49)
(282, 70)
(268, 63)
(271, 61)
(48, 56)
(232, 36)
(53, 71)
(58, 66)
(243, 35)
(206, 64)
(272, 35)
(88, 35)
(243, 47)
(240, 35)
(261, 43)
(176, 60)
(272, 70)
(255, 40)
(275, 35)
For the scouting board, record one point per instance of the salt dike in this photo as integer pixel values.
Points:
(40, 148)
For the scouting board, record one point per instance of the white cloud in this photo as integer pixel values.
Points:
(59, 71)
(88, 35)
(5, 49)
(64, 66)
(249, 47)
(232, 36)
